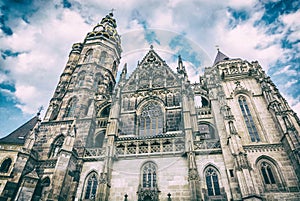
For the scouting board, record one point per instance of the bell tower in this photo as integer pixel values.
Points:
(78, 111)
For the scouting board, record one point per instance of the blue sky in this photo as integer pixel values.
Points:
(36, 38)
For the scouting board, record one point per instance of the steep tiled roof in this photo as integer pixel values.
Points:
(220, 57)
(19, 135)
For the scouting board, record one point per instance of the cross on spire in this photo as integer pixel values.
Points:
(112, 11)
(40, 110)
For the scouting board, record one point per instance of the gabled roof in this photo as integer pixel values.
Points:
(152, 67)
(220, 57)
(18, 136)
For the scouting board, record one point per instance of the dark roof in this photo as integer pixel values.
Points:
(220, 57)
(19, 135)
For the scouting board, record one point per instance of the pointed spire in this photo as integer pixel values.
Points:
(181, 68)
(106, 29)
(124, 72)
(180, 64)
(220, 57)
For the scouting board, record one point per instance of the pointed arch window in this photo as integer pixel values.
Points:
(270, 176)
(91, 186)
(103, 57)
(149, 178)
(56, 146)
(5, 165)
(80, 79)
(70, 110)
(88, 56)
(212, 182)
(267, 173)
(248, 119)
(151, 120)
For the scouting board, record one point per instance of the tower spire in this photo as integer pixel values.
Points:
(181, 68)
(220, 56)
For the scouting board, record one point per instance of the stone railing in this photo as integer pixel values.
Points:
(150, 147)
(50, 163)
(93, 153)
(204, 112)
(101, 123)
(207, 145)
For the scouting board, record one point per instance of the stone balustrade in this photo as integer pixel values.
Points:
(93, 153)
(149, 147)
(207, 145)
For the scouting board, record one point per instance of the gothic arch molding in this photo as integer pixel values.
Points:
(269, 174)
(147, 100)
(90, 185)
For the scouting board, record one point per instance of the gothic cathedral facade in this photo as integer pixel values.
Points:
(153, 135)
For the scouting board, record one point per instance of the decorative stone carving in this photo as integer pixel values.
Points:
(148, 193)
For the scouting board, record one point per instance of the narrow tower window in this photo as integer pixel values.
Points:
(248, 119)
(151, 120)
(267, 173)
(88, 56)
(149, 175)
(91, 186)
(70, 110)
(103, 57)
(80, 79)
(5, 165)
(56, 146)
(212, 182)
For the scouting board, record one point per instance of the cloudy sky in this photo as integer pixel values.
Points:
(36, 37)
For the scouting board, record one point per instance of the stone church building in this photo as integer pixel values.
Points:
(153, 135)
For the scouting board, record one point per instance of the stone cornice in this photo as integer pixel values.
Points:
(263, 147)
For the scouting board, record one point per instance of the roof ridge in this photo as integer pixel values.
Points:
(18, 136)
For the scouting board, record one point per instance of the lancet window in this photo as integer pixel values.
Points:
(212, 182)
(91, 186)
(56, 146)
(88, 56)
(149, 177)
(248, 119)
(70, 110)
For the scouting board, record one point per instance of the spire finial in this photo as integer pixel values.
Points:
(151, 47)
(39, 110)
(112, 11)
(218, 47)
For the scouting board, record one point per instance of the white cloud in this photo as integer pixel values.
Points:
(286, 70)
(47, 40)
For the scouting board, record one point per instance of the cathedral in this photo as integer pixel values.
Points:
(152, 135)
